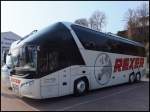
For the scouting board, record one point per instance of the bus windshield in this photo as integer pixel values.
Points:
(25, 57)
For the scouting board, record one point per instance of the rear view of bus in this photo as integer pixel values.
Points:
(56, 62)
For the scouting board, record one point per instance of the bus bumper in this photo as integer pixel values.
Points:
(26, 88)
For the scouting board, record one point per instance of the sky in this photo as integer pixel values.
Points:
(22, 17)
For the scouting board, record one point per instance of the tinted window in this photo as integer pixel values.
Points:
(115, 46)
(94, 40)
(58, 50)
(125, 48)
(141, 51)
(91, 39)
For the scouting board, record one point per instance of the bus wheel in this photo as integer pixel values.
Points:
(138, 77)
(132, 77)
(80, 87)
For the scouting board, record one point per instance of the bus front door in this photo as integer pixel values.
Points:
(64, 82)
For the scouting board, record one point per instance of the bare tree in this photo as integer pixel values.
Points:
(131, 21)
(131, 18)
(82, 22)
(143, 10)
(143, 20)
(97, 20)
(137, 21)
(137, 17)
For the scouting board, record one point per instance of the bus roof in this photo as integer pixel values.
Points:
(109, 35)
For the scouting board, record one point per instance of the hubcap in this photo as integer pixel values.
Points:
(81, 86)
(138, 77)
(132, 78)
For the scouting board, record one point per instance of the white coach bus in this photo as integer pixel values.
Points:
(66, 58)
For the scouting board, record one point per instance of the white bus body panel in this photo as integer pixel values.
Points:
(49, 85)
(64, 81)
(56, 84)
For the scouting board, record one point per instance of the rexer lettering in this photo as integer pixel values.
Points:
(122, 64)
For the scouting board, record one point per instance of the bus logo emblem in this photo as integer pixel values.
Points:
(103, 69)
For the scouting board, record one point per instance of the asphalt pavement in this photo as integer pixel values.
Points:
(124, 97)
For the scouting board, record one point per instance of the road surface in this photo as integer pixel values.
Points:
(126, 97)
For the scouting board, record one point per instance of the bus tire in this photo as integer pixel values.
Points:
(138, 77)
(81, 86)
(132, 78)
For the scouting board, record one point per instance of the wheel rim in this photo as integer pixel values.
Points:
(132, 78)
(138, 77)
(81, 86)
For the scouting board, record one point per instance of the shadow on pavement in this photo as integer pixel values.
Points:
(41, 103)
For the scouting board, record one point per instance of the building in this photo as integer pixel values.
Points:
(139, 33)
(6, 40)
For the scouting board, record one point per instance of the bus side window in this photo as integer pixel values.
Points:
(90, 44)
(112, 45)
(117, 47)
(108, 47)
